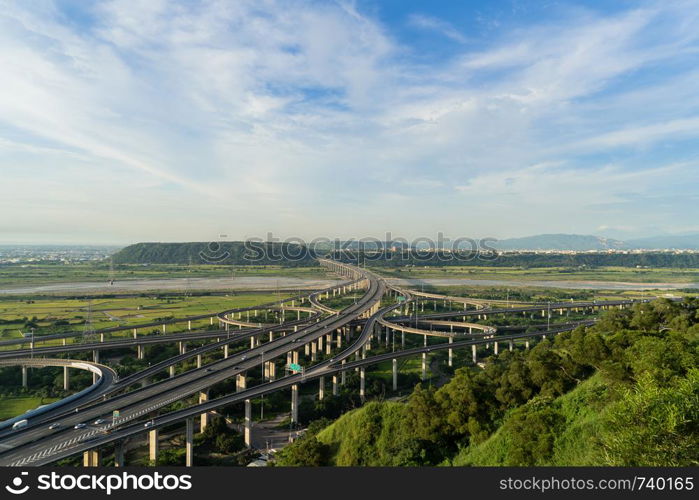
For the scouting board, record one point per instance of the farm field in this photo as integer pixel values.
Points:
(48, 315)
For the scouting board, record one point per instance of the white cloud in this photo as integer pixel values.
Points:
(260, 115)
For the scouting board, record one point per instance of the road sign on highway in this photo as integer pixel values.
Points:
(401, 298)
(115, 414)
(295, 367)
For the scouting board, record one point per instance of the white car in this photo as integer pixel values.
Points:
(79, 426)
(149, 424)
(54, 425)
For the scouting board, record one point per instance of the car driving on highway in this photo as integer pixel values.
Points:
(54, 425)
(79, 426)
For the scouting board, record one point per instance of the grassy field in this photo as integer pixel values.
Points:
(52, 316)
(613, 274)
(13, 406)
(32, 274)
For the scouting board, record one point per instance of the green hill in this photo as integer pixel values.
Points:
(223, 253)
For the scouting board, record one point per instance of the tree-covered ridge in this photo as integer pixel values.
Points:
(622, 392)
(219, 253)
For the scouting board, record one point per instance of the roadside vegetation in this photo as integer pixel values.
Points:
(622, 392)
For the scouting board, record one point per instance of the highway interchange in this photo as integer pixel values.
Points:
(379, 312)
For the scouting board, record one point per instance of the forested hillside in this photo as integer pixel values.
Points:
(622, 392)
(224, 253)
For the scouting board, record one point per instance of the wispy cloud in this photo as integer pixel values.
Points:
(247, 116)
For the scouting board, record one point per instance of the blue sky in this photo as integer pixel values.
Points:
(126, 121)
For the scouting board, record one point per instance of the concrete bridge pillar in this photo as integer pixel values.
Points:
(204, 421)
(119, 454)
(313, 351)
(66, 378)
(343, 374)
(321, 388)
(511, 345)
(225, 351)
(183, 347)
(135, 333)
(526, 344)
(328, 344)
(24, 376)
(153, 447)
(395, 374)
(252, 342)
(189, 442)
(339, 339)
(306, 350)
(198, 360)
(495, 345)
(163, 327)
(171, 371)
(424, 366)
(402, 339)
(92, 458)
(248, 423)
(451, 352)
(240, 382)
(473, 354)
(335, 388)
(101, 337)
(189, 324)
(96, 356)
(362, 376)
(295, 404)
(139, 351)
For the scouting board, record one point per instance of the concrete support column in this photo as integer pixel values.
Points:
(189, 325)
(424, 366)
(526, 344)
(321, 388)
(295, 404)
(139, 351)
(395, 374)
(495, 345)
(473, 354)
(225, 351)
(313, 351)
(189, 442)
(153, 445)
(183, 348)
(96, 356)
(92, 458)
(362, 383)
(101, 337)
(451, 352)
(252, 342)
(171, 370)
(66, 378)
(328, 344)
(343, 374)
(204, 421)
(163, 327)
(24, 376)
(248, 423)
(119, 454)
(198, 360)
(511, 345)
(335, 388)
(306, 350)
(240, 382)
(402, 339)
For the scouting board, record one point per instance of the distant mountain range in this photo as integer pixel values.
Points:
(581, 243)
